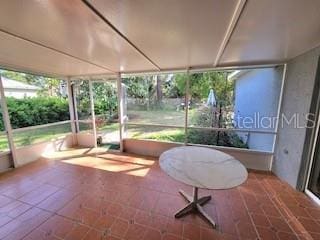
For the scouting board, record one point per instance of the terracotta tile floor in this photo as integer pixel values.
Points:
(113, 196)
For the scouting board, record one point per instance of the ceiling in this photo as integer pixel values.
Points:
(75, 38)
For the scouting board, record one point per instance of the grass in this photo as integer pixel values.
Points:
(165, 117)
(29, 137)
(156, 133)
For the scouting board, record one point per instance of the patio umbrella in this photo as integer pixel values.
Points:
(211, 99)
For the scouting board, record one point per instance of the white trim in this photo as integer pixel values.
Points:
(186, 107)
(275, 139)
(284, 73)
(93, 118)
(232, 25)
(7, 124)
(72, 112)
(71, 108)
(201, 128)
(312, 196)
(39, 126)
(200, 69)
(233, 130)
(153, 125)
(76, 117)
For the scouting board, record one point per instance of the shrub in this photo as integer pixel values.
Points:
(204, 117)
(211, 137)
(36, 111)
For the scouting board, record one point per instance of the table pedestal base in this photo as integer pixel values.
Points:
(195, 205)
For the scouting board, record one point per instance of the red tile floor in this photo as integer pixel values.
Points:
(113, 196)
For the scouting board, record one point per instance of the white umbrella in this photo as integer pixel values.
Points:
(211, 99)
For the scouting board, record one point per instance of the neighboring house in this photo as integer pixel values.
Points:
(13, 88)
(257, 94)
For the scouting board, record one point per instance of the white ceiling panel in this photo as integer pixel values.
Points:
(174, 34)
(25, 56)
(71, 27)
(273, 31)
(70, 38)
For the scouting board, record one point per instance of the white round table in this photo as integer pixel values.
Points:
(201, 167)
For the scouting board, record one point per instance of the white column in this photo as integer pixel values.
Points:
(120, 110)
(72, 112)
(93, 118)
(186, 109)
(76, 118)
(7, 124)
(275, 139)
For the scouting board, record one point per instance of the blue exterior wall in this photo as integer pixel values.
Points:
(257, 93)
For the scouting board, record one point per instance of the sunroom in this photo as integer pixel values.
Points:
(111, 110)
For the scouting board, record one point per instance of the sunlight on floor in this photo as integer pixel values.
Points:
(113, 163)
(72, 152)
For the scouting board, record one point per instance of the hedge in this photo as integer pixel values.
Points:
(36, 111)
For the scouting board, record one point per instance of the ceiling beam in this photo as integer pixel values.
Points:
(233, 22)
(103, 18)
(208, 68)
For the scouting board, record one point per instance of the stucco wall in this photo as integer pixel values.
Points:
(296, 99)
(256, 96)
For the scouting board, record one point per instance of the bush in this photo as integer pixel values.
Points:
(210, 137)
(205, 118)
(36, 111)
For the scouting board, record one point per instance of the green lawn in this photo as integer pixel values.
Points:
(35, 136)
(165, 117)
(156, 133)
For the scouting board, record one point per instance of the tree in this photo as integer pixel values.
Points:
(142, 89)
(201, 83)
(105, 99)
(49, 86)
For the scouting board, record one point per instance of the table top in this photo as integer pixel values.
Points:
(203, 167)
